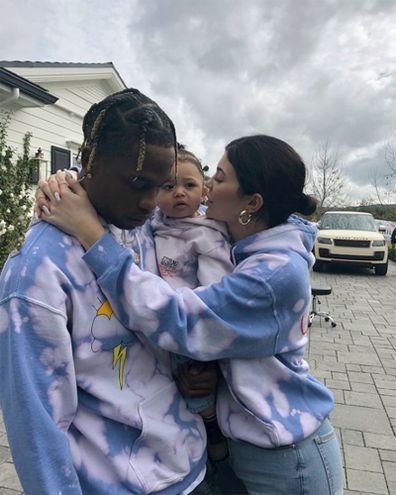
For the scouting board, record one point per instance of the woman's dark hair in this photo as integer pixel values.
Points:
(183, 155)
(270, 167)
(123, 119)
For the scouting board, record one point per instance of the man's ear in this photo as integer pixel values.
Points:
(255, 203)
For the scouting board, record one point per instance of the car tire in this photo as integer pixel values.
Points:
(381, 269)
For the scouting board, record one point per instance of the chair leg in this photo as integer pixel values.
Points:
(321, 314)
(327, 317)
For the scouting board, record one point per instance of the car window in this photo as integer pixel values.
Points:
(348, 222)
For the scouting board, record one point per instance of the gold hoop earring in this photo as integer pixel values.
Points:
(244, 217)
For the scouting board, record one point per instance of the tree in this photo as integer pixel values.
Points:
(390, 177)
(327, 181)
(15, 194)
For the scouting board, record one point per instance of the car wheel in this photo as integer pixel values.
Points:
(381, 269)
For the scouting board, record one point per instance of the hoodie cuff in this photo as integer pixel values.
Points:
(101, 255)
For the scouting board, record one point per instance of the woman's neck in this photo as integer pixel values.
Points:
(238, 231)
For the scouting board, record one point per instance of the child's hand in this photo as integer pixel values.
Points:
(197, 380)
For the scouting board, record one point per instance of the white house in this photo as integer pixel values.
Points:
(49, 99)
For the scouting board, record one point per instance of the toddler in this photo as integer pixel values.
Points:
(191, 251)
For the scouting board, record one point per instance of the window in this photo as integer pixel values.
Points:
(60, 159)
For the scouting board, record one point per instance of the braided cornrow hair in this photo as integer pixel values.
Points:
(125, 118)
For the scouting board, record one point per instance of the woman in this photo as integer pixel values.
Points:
(273, 412)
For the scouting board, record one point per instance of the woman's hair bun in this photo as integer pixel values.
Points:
(306, 204)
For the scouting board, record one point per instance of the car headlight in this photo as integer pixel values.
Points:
(378, 243)
(324, 240)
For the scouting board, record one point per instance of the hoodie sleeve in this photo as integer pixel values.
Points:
(38, 395)
(233, 318)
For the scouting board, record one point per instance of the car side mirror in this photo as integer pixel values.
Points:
(382, 229)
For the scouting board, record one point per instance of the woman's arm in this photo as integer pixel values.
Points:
(233, 318)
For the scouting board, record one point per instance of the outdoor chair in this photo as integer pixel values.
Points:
(320, 290)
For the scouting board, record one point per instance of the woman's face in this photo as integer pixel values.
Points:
(225, 200)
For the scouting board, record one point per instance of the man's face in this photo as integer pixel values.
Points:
(117, 197)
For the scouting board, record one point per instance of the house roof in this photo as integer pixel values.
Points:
(28, 88)
(17, 64)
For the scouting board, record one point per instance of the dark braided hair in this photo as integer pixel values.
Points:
(270, 167)
(123, 119)
(183, 155)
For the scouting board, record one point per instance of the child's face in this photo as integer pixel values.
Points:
(180, 197)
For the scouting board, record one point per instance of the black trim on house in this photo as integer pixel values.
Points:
(28, 88)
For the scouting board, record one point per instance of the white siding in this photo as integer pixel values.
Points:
(55, 125)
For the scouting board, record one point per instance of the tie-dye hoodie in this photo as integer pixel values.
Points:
(89, 407)
(191, 251)
(255, 320)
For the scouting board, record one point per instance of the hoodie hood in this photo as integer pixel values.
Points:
(297, 234)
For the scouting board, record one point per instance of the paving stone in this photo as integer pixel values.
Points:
(366, 481)
(360, 377)
(8, 479)
(353, 367)
(363, 399)
(386, 442)
(358, 358)
(392, 488)
(391, 412)
(363, 387)
(5, 454)
(387, 383)
(338, 396)
(337, 384)
(387, 455)
(389, 400)
(361, 418)
(362, 458)
(373, 369)
(352, 437)
(389, 470)
(7, 491)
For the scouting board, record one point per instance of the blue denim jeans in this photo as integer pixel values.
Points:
(310, 467)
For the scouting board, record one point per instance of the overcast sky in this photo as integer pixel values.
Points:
(306, 71)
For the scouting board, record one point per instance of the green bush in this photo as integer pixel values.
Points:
(15, 193)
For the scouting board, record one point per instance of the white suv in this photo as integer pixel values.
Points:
(350, 237)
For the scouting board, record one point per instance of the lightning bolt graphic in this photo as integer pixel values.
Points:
(119, 354)
(105, 310)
